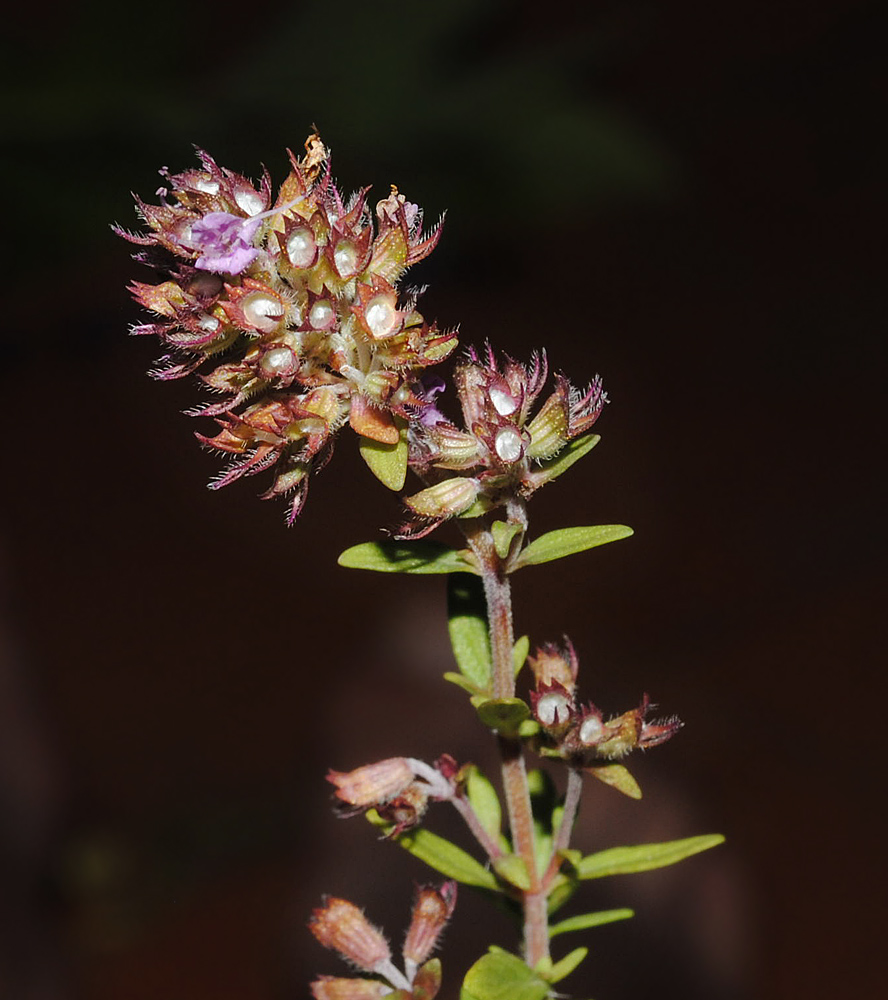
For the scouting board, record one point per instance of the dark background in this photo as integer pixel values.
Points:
(686, 198)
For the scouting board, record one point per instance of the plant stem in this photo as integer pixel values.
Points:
(464, 808)
(514, 773)
(568, 817)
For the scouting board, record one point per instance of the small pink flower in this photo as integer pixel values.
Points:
(225, 242)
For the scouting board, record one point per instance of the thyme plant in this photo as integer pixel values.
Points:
(290, 309)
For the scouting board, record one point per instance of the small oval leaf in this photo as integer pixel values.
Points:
(519, 653)
(467, 625)
(504, 715)
(644, 857)
(567, 541)
(512, 869)
(405, 557)
(460, 681)
(447, 858)
(617, 776)
(501, 976)
(567, 964)
(503, 533)
(388, 462)
(563, 888)
(485, 801)
(574, 451)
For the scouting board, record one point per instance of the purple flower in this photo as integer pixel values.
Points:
(225, 242)
(431, 386)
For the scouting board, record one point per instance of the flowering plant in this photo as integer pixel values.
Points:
(290, 310)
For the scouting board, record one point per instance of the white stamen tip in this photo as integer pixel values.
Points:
(380, 317)
(262, 311)
(249, 202)
(301, 248)
(278, 361)
(503, 402)
(590, 731)
(321, 315)
(552, 709)
(509, 445)
(345, 257)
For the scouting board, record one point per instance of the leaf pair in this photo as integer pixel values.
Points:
(423, 556)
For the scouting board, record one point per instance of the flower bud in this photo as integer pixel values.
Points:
(431, 911)
(374, 783)
(340, 925)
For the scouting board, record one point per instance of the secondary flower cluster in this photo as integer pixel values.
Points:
(504, 446)
(579, 733)
(340, 925)
(291, 308)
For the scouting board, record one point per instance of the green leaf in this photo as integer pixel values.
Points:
(405, 557)
(482, 795)
(572, 856)
(567, 964)
(644, 857)
(586, 920)
(427, 982)
(481, 506)
(512, 868)
(617, 776)
(543, 804)
(519, 653)
(467, 624)
(574, 451)
(563, 889)
(447, 858)
(388, 462)
(567, 541)
(501, 976)
(460, 681)
(504, 715)
(503, 533)
(528, 728)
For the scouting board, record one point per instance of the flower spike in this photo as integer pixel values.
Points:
(300, 293)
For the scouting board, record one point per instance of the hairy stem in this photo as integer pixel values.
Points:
(514, 773)
(464, 808)
(562, 837)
